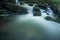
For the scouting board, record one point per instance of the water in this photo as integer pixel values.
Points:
(35, 27)
(29, 9)
(47, 12)
(17, 2)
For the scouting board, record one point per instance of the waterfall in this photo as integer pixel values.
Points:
(44, 13)
(16, 1)
(47, 12)
(50, 12)
(29, 9)
(22, 25)
(52, 28)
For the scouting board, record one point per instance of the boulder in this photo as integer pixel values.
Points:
(36, 11)
(42, 6)
(48, 18)
(16, 8)
(55, 9)
(57, 20)
(30, 4)
(51, 19)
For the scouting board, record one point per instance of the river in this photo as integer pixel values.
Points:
(29, 27)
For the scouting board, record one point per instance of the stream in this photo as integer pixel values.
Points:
(29, 27)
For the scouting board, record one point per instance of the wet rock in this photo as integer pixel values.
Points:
(57, 20)
(48, 18)
(4, 12)
(16, 8)
(21, 2)
(11, 7)
(36, 11)
(6, 1)
(56, 10)
(42, 6)
(30, 4)
(2, 2)
(51, 19)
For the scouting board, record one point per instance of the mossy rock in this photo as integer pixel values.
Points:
(48, 18)
(57, 20)
(36, 9)
(30, 4)
(51, 19)
(42, 6)
(16, 8)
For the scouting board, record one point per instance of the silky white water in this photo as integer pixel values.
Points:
(16, 1)
(27, 23)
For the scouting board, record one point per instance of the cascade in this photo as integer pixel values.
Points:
(28, 20)
(16, 1)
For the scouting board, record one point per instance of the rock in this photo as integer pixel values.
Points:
(57, 20)
(48, 18)
(16, 8)
(21, 3)
(42, 6)
(1, 12)
(51, 19)
(30, 4)
(55, 10)
(36, 11)
(4, 12)
(11, 1)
